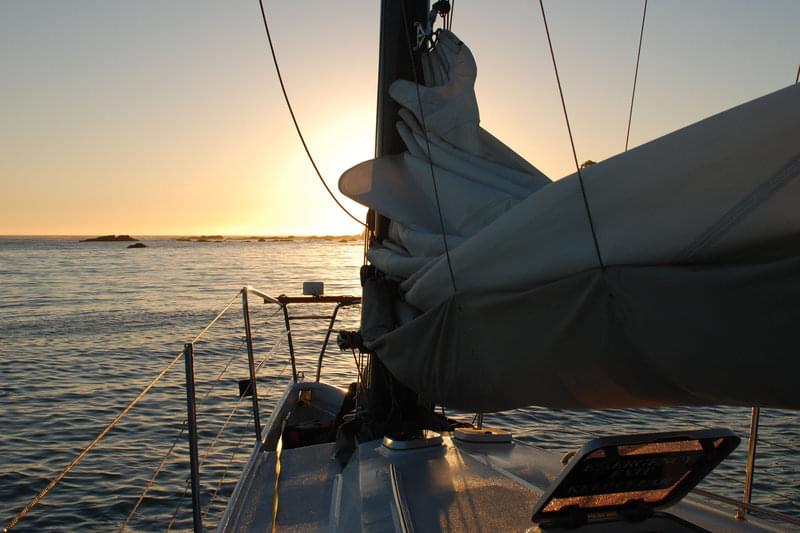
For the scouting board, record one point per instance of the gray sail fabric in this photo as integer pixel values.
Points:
(727, 183)
(624, 337)
(699, 231)
(478, 178)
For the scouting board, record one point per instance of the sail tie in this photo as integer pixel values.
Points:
(572, 142)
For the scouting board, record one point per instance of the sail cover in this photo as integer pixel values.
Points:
(699, 231)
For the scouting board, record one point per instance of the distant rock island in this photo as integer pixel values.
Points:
(271, 238)
(111, 238)
(202, 238)
(137, 245)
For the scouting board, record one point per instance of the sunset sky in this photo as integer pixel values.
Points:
(150, 117)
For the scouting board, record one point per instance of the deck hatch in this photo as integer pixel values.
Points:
(628, 477)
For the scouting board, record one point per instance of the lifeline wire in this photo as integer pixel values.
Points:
(166, 456)
(572, 142)
(294, 119)
(428, 145)
(635, 76)
(236, 406)
(56, 480)
(77, 459)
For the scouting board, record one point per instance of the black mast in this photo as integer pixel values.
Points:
(391, 407)
(394, 63)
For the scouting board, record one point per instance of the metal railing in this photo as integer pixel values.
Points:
(282, 305)
(252, 388)
(189, 355)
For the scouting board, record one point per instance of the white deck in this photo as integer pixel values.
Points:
(454, 486)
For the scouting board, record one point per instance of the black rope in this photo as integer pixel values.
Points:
(797, 78)
(571, 141)
(428, 146)
(635, 76)
(294, 119)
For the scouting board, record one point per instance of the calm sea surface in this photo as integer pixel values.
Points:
(85, 326)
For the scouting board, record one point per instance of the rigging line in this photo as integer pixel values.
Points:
(75, 460)
(294, 119)
(235, 452)
(572, 142)
(188, 481)
(210, 447)
(797, 78)
(163, 462)
(635, 76)
(152, 480)
(428, 146)
(89, 447)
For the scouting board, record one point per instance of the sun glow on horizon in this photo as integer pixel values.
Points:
(140, 127)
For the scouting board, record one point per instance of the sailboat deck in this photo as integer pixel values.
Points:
(455, 486)
(446, 488)
(305, 485)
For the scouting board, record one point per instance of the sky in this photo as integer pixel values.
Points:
(166, 118)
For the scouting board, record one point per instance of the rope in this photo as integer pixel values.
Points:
(635, 76)
(238, 402)
(77, 459)
(294, 119)
(269, 355)
(797, 78)
(152, 480)
(89, 447)
(216, 318)
(428, 147)
(166, 456)
(218, 487)
(572, 142)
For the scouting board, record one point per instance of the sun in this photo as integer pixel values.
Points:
(294, 201)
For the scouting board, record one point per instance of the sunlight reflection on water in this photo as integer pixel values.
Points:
(85, 325)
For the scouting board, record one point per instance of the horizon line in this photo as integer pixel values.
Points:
(184, 235)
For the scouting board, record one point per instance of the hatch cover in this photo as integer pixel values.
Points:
(630, 476)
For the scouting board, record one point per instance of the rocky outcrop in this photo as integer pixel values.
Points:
(111, 238)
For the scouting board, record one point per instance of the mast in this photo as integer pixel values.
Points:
(391, 406)
(394, 63)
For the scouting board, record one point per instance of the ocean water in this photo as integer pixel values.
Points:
(85, 326)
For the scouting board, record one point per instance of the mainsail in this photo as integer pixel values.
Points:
(699, 230)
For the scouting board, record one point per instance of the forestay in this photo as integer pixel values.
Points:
(700, 229)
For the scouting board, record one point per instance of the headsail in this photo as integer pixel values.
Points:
(700, 230)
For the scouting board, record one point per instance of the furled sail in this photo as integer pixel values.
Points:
(699, 230)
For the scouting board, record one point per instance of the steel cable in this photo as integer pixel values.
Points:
(152, 479)
(238, 402)
(572, 142)
(235, 452)
(166, 456)
(294, 119)
(428, 146)
(635, 76)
